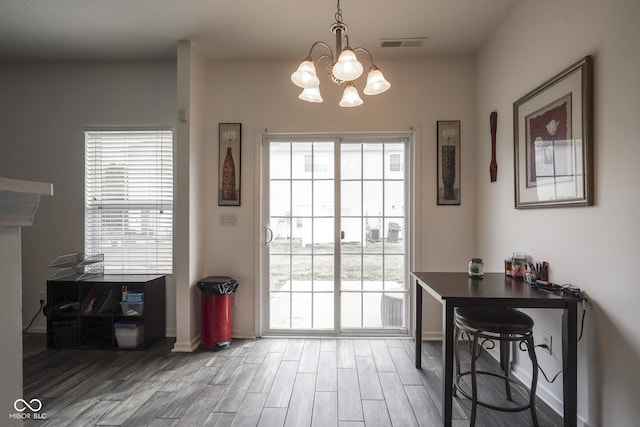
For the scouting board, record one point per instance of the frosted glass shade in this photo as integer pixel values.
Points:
(311, 94)
(305, 76)
(376, 83)
(350, 97)
(348, 67)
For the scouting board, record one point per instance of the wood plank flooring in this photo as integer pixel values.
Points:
(267, 382)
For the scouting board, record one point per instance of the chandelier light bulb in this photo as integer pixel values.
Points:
(311, 94)
(348, 67)
(350, 97)
(376, 83)
(305, 76)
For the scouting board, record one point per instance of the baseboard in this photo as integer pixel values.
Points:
(37, 330)
(542, 392)
(432, 336)
(243, 334)
(545, 394)
(186, 347)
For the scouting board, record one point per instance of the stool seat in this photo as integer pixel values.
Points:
(498, 321)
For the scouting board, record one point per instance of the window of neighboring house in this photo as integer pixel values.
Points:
(129, 199)
(395, 163)
(314, 164)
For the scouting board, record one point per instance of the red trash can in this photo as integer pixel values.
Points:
(215, 307)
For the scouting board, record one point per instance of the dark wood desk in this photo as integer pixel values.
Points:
(495, 290)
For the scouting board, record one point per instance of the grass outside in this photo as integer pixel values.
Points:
(376, 265)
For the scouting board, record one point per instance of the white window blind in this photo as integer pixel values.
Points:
(129, 199)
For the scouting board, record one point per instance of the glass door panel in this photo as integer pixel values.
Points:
(373, 290)
(302, 219)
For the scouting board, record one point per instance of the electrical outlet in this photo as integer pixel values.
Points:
(546, 340)
(43, 296)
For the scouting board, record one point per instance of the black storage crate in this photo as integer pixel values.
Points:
(66, 334)
(83, 313)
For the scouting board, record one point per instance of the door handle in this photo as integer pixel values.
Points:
(268, 235)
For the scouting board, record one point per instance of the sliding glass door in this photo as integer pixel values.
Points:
(336, 252)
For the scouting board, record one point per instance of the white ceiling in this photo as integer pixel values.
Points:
(94, 30)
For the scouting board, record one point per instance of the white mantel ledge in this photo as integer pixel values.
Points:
(19, 200)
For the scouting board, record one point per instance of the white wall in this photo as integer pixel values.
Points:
(261, 96)
(594, 248)
(43, 111)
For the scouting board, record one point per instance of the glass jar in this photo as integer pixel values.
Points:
(508, 270)
(518, 263)
(476, 268)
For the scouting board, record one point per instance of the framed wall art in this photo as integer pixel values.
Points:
(553, 141)
(230, 136)
(448, 162)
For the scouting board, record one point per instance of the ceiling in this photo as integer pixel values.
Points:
(124, 30)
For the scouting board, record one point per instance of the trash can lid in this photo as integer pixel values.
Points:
(217, 280)
(217, 285)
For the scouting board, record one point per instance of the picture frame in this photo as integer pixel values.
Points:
(553, 141)
(448, 157)
(229, 167)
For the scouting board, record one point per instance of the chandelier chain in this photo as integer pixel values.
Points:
(338, 15)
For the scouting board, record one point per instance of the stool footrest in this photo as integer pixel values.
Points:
(489, 405)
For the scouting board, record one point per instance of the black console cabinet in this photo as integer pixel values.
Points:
(81, 314)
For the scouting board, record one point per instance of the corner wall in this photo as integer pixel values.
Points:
(188, 239)
(595, 248)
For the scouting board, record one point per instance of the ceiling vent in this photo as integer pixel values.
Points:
(409, 42)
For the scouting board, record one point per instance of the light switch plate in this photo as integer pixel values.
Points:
(229, 220)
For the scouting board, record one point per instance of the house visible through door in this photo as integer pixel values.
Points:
(336, 258)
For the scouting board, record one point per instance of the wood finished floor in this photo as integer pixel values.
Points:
(265, 382)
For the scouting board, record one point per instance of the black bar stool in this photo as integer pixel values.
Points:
(483, 326)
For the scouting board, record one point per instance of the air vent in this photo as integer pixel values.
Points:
(391, 43)
(410, 42)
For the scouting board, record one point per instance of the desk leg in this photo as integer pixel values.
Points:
(570, 364)
(447, 363)
(418, 326)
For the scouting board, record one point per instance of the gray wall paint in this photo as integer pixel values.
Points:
(44, 110)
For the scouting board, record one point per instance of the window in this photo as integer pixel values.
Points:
(129, 199)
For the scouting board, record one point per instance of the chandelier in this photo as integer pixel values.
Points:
(345, 70)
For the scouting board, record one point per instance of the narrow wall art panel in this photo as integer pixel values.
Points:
(448, 162)
(230, 135)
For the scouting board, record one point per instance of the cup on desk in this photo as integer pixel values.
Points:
(530, 276)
